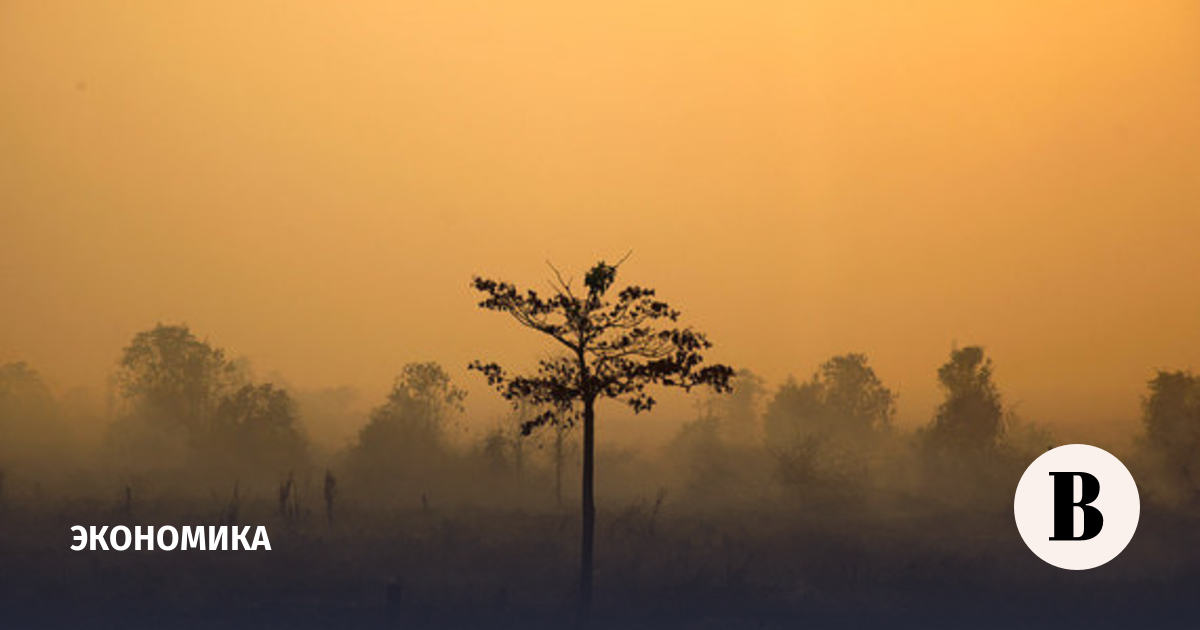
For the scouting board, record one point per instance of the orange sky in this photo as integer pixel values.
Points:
(312, 184)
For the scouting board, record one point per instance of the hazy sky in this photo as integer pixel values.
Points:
(312, 184)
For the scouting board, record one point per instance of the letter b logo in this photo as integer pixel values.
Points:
(1076, 506)
(1064, 506)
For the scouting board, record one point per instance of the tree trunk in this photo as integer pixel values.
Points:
(589, 510)
(558, 463)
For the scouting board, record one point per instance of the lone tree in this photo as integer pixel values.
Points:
(971, 419)
(617, 346)
(28, 422)
(410, 426)
(1171, 416)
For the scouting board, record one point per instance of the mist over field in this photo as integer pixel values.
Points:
(771, 504)
(823, 278)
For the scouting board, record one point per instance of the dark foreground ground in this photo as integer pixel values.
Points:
(823, 566)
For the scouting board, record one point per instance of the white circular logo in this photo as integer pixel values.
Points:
(1077, 506)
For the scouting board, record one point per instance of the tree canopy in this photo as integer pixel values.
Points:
(843, 398)
(1171, 417)
(617, 346)
(971, 417)
(182, 386)
(174, 376)
(410, 424)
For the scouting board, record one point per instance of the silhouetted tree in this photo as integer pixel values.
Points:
(495, 448)
(617, 347)
(716, 451)
(971, 418)
(703, 454)
(409, 427)
(843, 398)
(174, 378)
(513, 433)
(22, 391)
(188, 399)
(1171, 416)
(27, 411)
(23, 396)
(255, 428)
(833, 417)
(737, 413)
